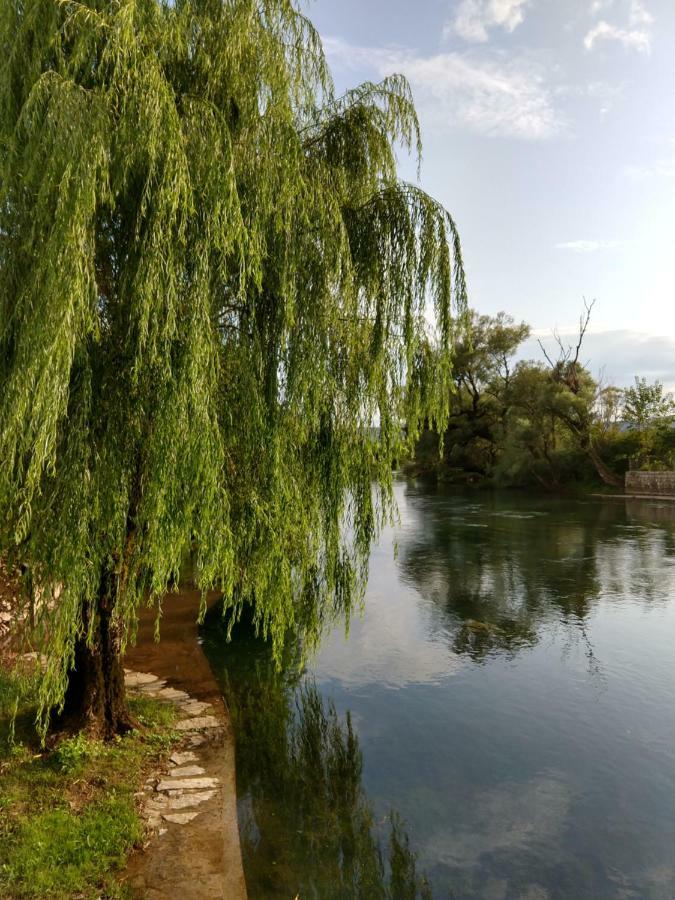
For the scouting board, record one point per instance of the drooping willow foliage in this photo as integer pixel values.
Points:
(212, 307)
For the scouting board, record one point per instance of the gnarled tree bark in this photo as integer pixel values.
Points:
(95, 699)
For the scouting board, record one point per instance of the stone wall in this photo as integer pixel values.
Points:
(651, 483)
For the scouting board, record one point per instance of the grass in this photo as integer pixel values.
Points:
(68, 817)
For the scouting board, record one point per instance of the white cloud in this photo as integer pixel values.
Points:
(588, 246)
(474, 18)
(635, 35)
(620, 353)
(638, 39)
(639, 14)
(502, 821)
(497, 97)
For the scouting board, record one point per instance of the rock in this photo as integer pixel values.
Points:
(136, 679)
(169, 693)
(197, 740)
(152, 687)
(180, 818)
(187, 784)
(182, 801)
(157, 805)
(197, 723)
(195, 707)
(180, 759)
(186, 772)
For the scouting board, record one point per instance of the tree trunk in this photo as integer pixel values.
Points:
(95, 699)
(583, 433)
(604, 471)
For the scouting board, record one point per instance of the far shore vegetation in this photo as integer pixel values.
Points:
(546, 424)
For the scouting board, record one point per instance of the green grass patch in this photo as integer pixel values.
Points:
(68, 817)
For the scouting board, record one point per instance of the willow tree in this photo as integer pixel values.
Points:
(212, 286)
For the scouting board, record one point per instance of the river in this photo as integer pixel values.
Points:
(498, 724)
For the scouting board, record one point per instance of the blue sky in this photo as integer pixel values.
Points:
(549, 133)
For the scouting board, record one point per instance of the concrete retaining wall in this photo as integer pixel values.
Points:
(651, 483)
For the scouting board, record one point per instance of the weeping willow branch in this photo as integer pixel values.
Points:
(212, 284)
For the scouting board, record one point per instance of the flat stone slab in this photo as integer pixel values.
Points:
(169, 693)
(157, 805)
(176, 800)
(180, 818)
(185, 801)
(186, 772)
(152, 687)
(197, 723)
(188, 784)
(181, 759)
(195, 707)
(136, 679)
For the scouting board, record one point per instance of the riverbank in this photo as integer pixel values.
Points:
(199, 858)
(443, 477)
(151, 815)
(70, 816)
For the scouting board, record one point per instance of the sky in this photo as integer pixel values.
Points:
(549, 133)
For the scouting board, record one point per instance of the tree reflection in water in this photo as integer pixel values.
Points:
(307, 829)
(497, 577)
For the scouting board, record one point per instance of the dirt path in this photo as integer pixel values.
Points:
(194, 850)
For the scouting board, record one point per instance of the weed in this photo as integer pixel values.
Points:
(71, 754)
(68, 818)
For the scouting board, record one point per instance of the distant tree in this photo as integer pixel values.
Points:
(577, 401)
(647, 404)
(651, 412)
(212, 282)
(609, 406)
(484, 358)
(483, 369)
(534, 434)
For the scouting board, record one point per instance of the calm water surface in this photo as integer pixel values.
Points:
(499, 724)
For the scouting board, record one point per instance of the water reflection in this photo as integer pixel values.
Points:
(500, 572)
(306, 826)
(509, 691)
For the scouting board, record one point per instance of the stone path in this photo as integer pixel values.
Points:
(186, 786)
(183, 807)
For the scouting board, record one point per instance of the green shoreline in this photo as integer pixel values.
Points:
(70, 817)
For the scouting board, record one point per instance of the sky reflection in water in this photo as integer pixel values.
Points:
(510, 690)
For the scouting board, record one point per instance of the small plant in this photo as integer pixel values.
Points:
(73, 752)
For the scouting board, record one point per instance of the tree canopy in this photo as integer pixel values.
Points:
(647, 404)
(212, 286)
(517, 422)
